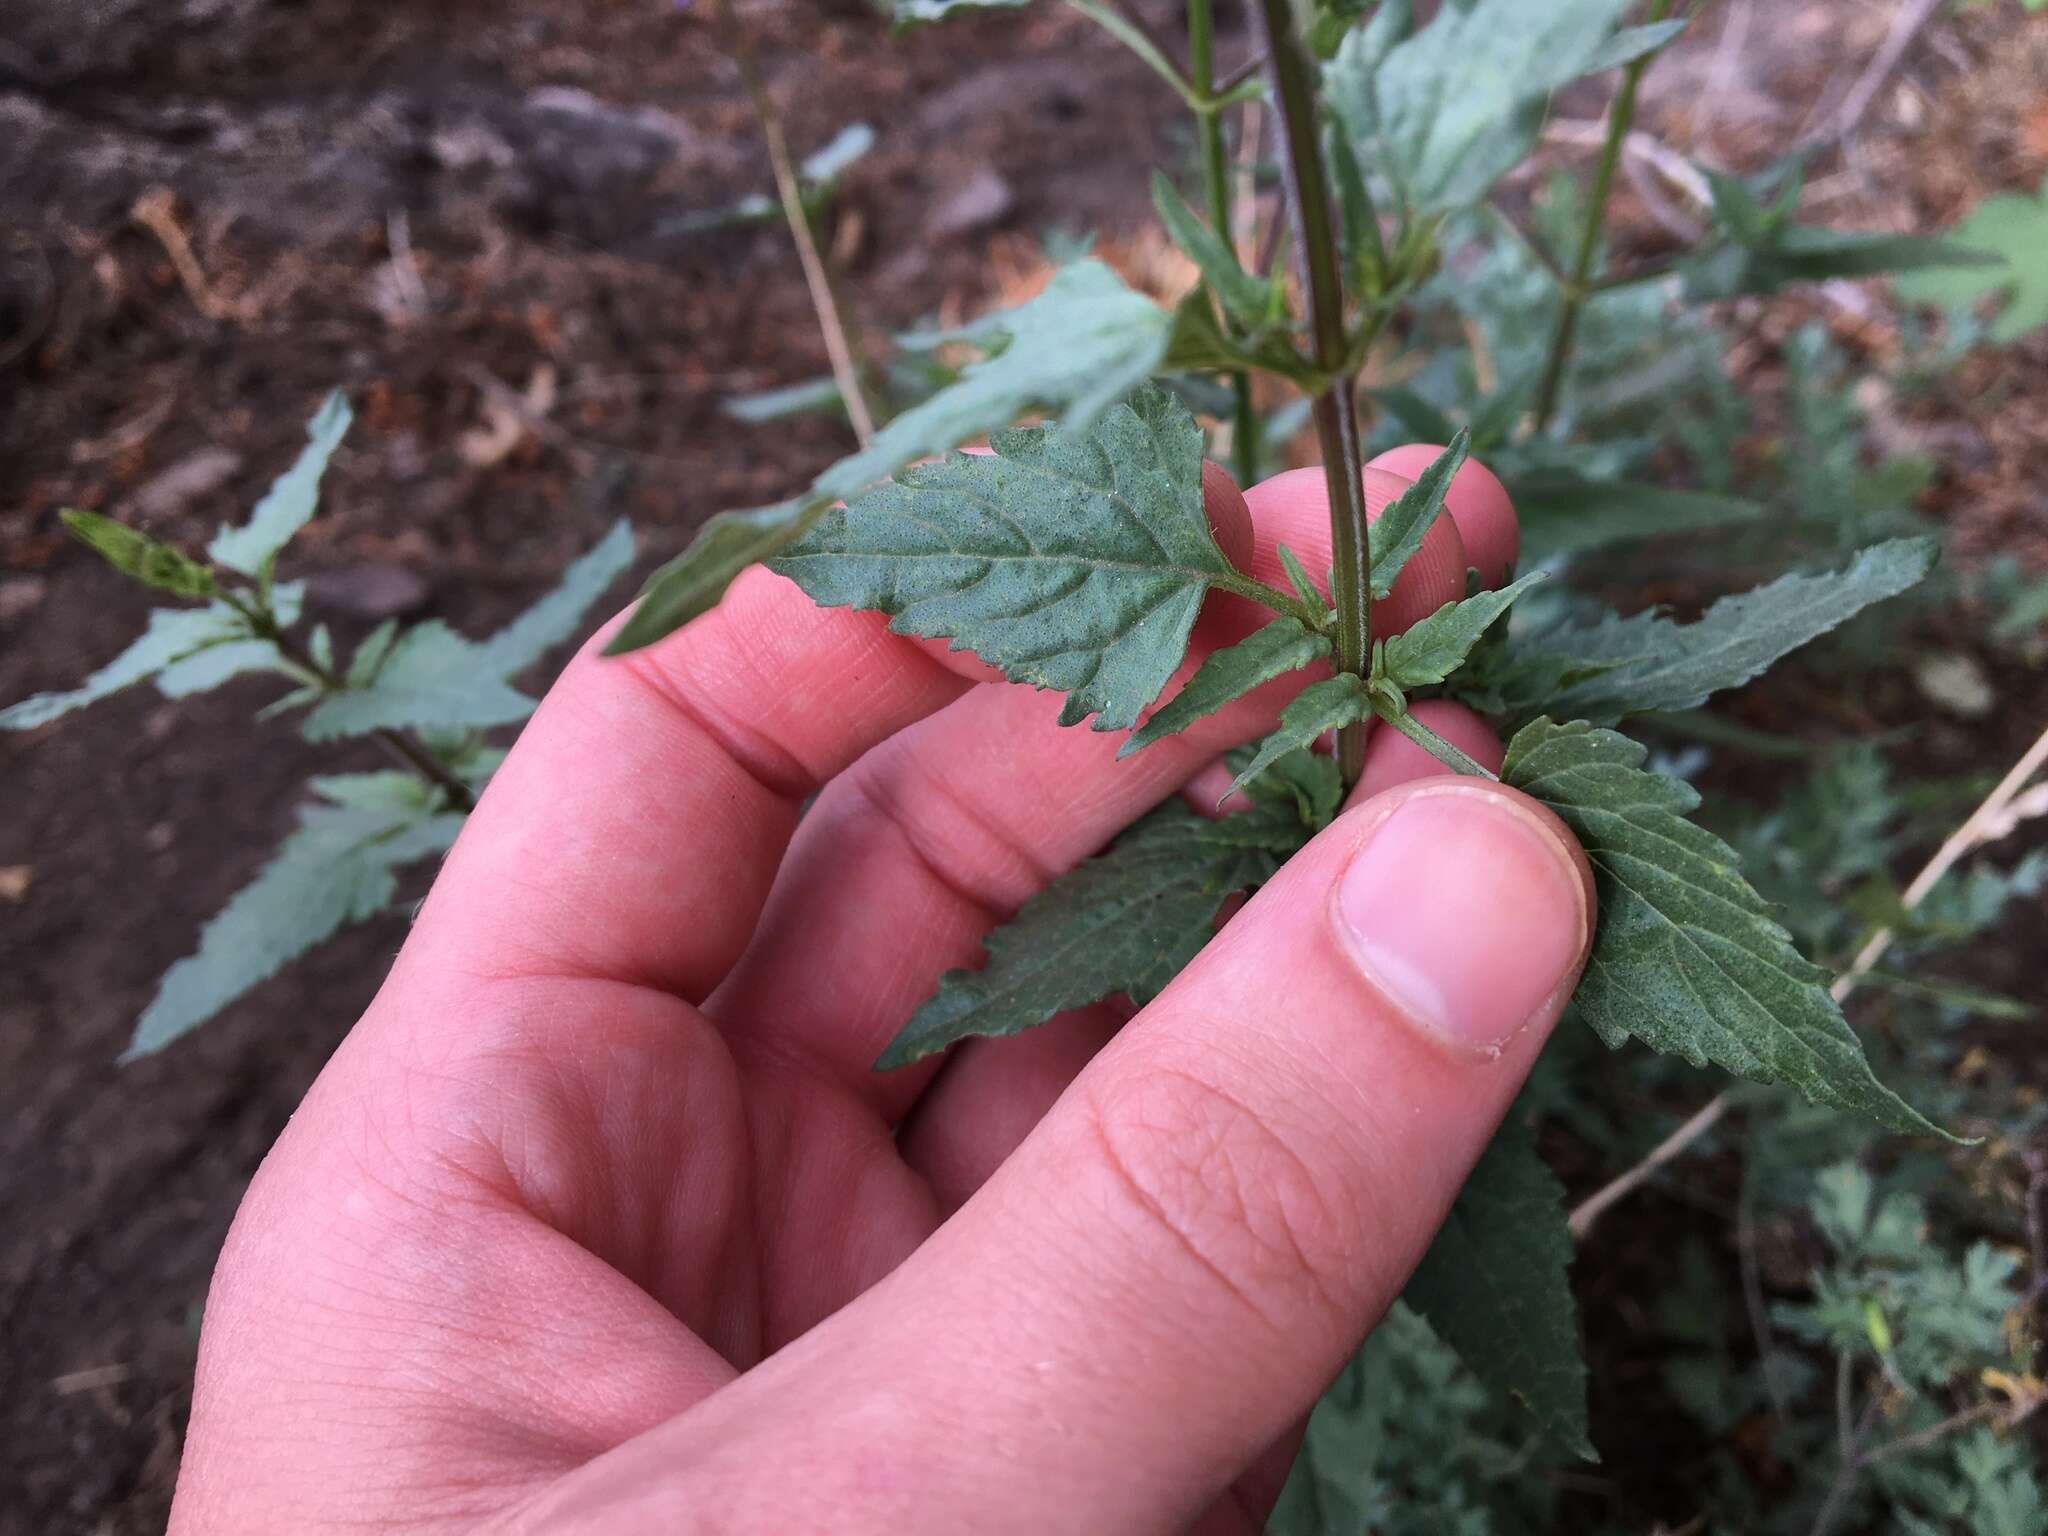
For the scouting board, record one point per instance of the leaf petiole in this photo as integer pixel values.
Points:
(1404, 722)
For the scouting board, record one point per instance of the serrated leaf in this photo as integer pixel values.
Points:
(1283, 646)
(2014, 229)
(1245, 298)
(291, 500)
(173, 634)
(1397, 533)
(431, 678)
(1320, 707)
(558, 615)
(1687, 958)
(1649, 663)
(1431, 650)
(1081, 346)
(138, 556)
(1446, 112)
(1197, 342)
(1126, 921)
(1074, 561)
(693, 582)
(1309, 784)
(216, 664)
(1565, 513)
(338, 867)
(1496, 1286)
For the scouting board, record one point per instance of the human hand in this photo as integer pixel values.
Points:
(598, 1220)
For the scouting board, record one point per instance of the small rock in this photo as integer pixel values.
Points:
(192, 478)
(982, 200)
(375, 591)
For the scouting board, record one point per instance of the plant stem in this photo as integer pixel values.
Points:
(1135, 38)
(1335, 409)
(1244, 430)
(1618, 120)
(401, 747)
(838, 345)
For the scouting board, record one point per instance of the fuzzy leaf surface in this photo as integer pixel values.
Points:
(1397, 533)
(1449, 110)
(1433, 649)
(173, 635)
(1563, 513)
(291, 500)
(557, 616)
(1646, 662)
(693, 582)
(1125, 921)
(1071, 560)
(1326, 706)
(338, 867)
(1496, 1286)
(1687, 957)
(430, 679)
(1283, 646)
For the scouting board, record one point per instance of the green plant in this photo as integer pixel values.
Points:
(1077, 555)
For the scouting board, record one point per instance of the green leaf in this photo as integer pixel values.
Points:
(1283, 646)
(1687, 958)
(1305, 782)
(1198, 343)
(1320, 707)
(1561, 512)
(216, 664)
(337, 868)
(1245, 298)
(173, 635)
(430, 678)
(1074, 561)
(811, 395)
(1446, 112)
(557, 616)
(826, 165)
(2013, 229)
(1436, 647)
(138, 556)
(291, 500)
(1398, 532)
(1126, 921)
(1495, 1285)
(693, 582)
(1081, 345)
(1632, 43)
(1646, 662)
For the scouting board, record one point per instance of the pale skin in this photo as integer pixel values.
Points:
(600, 1221)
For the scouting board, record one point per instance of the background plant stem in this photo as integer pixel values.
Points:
(1244, 430)
(838, 345)
(1618, 121)
(1335, 409)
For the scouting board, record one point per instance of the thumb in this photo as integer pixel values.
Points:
(1166, 1273)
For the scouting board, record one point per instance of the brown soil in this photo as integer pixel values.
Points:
(539, 153)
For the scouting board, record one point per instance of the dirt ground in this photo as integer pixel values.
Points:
(433, 207)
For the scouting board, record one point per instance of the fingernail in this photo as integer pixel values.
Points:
(1466, 911)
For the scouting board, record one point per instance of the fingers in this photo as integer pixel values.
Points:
(992, 1093)
(951, 826)
(1166, 1273)
(634, 830)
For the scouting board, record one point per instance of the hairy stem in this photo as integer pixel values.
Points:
(1244, 430)
(838, 345)
(1985, 824)
(1618, 121)
(1335, 409)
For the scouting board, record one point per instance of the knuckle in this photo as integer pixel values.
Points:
(1250, 1202)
